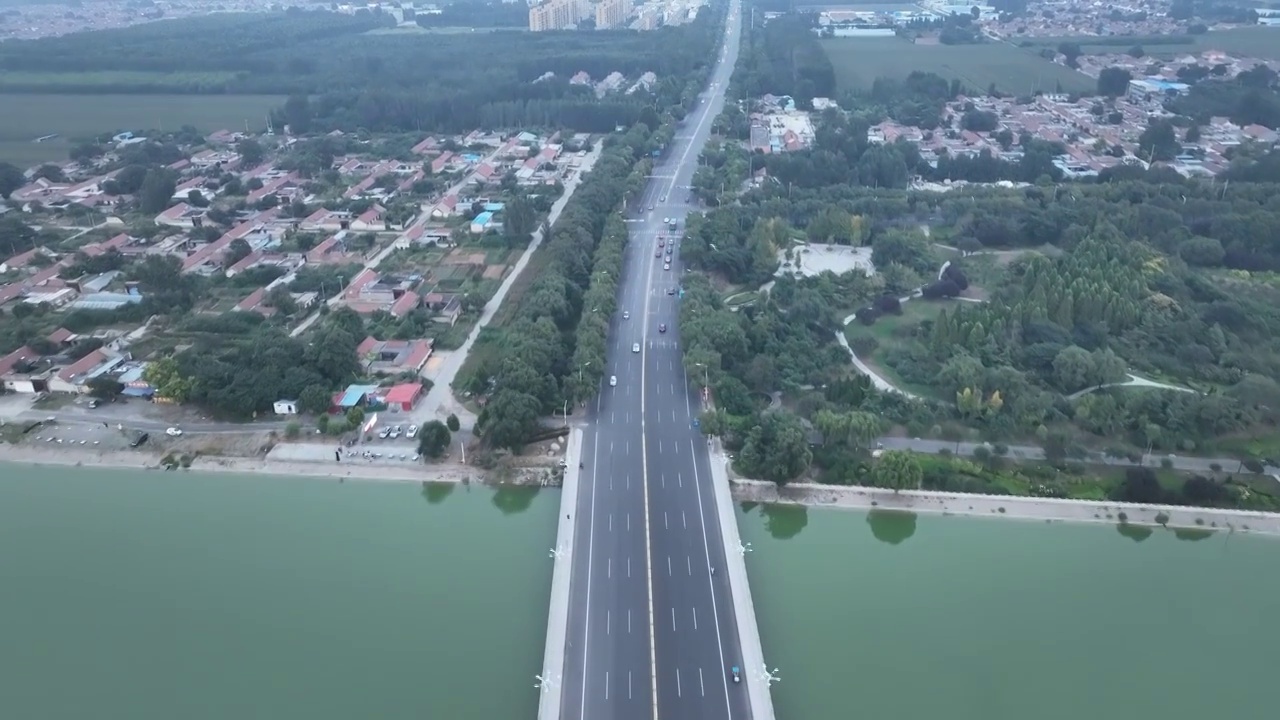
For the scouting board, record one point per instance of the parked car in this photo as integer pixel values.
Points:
(413, 432)
(173, 432)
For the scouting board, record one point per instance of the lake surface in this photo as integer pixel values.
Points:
(150, 595)
(890, 616)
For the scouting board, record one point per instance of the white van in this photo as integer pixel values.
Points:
(635, 347)
(613, 381)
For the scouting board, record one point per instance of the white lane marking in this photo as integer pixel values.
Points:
(688, 563)
(684, 520)
(659, 447)
(608, 621)
(680, 478)
(609, 567)
(706, 550)
(610, 522)
(628, 684)
(673, 619)
(702, 684)
(648, 539)
(678, 682)
(628, 522)
(668, 566)
(663, 480)
(628, 567)
(665, 525)
(628, 621)
(586, 632)
(695, 618)
(606, 684)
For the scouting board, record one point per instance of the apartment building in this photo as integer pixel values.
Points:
(612, 13)
(558, 14)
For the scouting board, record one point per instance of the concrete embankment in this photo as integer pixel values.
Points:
(558, 615)
(743, 607)
(1007, 506)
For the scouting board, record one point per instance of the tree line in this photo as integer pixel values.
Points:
(341, 77)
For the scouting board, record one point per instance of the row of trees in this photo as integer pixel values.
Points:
(526, 371)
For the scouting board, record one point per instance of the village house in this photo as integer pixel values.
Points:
(393, 356)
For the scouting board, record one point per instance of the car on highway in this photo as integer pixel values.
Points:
(671, 291)
(657, 253)
(613, 381)
(650, 207)
(412, 432)
(626, 314)
(661, 242)
(664, 198)
(662, 327)
(666, 266)
(635, 347)
(173, 432)
(737, 674)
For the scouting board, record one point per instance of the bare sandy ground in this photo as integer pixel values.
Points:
(1025, 508)
(354, 471)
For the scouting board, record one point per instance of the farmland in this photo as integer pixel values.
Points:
(859, 61)
(1257, 42)
(25, 117)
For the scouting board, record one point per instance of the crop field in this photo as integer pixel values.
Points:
(1258, 42)
(859, 61)
(24, 118)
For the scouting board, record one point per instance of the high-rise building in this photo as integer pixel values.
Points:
(558, 14)
(612, 13)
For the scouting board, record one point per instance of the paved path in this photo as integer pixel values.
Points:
(1133, 381)
(439, 401)
(133, 422)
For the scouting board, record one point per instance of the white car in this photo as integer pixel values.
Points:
(666, 266)
(613, 381)
(635, 347)
(173, 432)
(626, 315)
(413, 432)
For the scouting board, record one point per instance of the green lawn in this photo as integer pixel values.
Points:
(1258, 42)
(25, 117)
(893, 331)
(859, 61)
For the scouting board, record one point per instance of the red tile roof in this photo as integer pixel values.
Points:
(403, 393)
(10, 361)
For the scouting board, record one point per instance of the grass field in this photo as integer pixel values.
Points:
(23, 118)
(1258, 42)
(890, 332)
(859, 61)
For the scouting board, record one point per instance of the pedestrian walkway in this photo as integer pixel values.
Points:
(558, 615)
(755, 672)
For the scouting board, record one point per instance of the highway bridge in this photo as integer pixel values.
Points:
(644, 622)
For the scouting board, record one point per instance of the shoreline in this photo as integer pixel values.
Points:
(1007, 506)
(151, 461)
(804, 494)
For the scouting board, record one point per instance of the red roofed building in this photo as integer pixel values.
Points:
(404, 396)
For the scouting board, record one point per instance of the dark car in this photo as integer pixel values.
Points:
(140, 440)
(671, 291)
(657, 253)
(662, 327)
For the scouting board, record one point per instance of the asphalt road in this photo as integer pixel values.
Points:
(648, 621)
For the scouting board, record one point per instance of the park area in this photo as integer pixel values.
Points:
(859, 61)
(25, 118)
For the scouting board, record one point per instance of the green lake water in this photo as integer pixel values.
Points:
(892, 616)
(149, 595)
